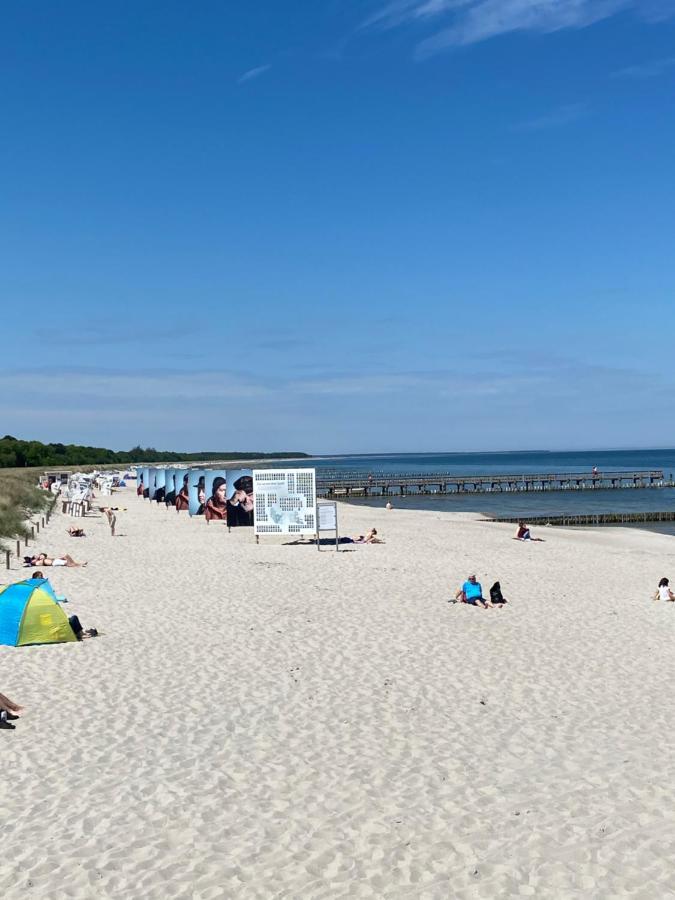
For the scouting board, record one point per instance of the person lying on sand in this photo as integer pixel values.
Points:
(73, 531)
(663, 591)
(66, 560)
(523, 533)
(8, 711)
(471, 592)
(369, 538)
(79, 631)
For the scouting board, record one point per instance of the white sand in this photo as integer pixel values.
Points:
(271, 722)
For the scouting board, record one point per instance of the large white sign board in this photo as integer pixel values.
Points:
(285, 501)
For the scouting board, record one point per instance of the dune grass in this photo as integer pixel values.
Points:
(19, 500)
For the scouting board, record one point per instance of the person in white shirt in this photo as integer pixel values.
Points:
(665, 592)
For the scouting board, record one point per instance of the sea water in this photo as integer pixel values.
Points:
(513, 504)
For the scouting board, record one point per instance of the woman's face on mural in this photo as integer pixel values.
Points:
(201, 495)
(220, 493)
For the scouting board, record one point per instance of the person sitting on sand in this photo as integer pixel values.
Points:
(8, 711)
(471, 592)
(74, 531)
(79, 631)
(664, 592)
(66, 560)
(496, 596)
(524, 534)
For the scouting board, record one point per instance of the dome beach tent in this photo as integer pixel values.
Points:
(30, 614)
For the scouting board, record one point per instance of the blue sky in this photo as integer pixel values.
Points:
(338, 225)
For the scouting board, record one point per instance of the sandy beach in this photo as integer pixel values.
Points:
(273, 722)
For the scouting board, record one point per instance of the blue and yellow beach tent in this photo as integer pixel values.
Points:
(30, 614)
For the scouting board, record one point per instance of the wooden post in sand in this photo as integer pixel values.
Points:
(43, 522)
(37, 525)
(7, 557)
(18, 549)
(32, 534)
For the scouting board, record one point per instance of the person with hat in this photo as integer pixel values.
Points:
(201, 495)
(240, 504)
(216, 505)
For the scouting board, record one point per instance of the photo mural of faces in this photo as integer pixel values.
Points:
(215, 508)
(240, 502)
(160, 481)
(152, 474)
(182, 484)
(196, 492)
(169, 487)
(146, 482)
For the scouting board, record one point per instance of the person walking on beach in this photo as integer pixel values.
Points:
(111, 517)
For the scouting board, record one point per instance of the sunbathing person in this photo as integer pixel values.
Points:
(8, 711)
(471, 592)
(369, 538)
(74, 531)
(523, 533)
(66, 560)
(9, 706)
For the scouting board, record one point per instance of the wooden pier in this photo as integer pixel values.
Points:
(633, 518)
(337, 484)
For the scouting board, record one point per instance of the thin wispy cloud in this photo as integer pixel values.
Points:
(651, 69)
(399, 12)
(556, 118)
(470, 21)
(251, 74)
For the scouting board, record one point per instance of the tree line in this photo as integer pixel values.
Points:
(15, 454)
